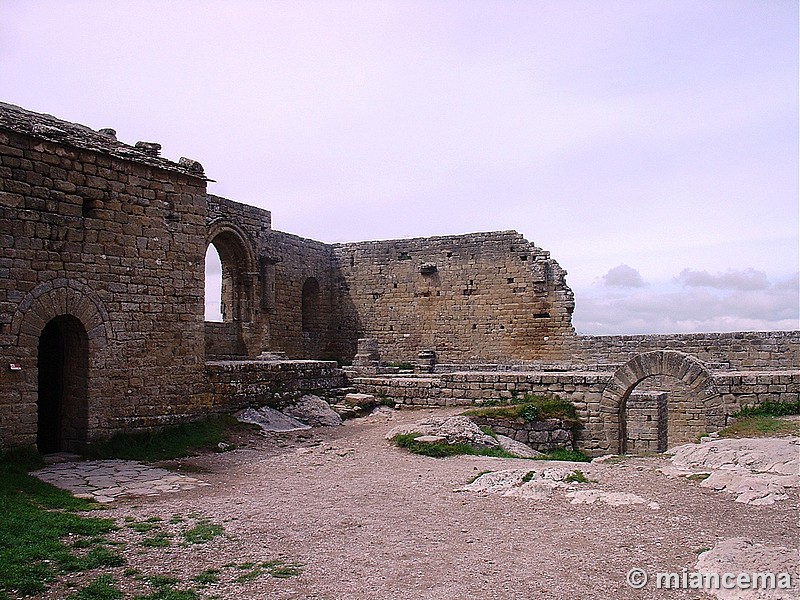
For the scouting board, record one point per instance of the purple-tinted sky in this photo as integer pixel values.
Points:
(651, 146)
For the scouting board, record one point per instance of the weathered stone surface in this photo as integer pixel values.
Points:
(757, 471)
(456, 430)
(742, 555)
(270, 419)
(517, 448)
(314, 411)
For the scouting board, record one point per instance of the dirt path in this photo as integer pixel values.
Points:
(367, 520)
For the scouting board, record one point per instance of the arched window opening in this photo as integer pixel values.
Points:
(311, 309)
(213, 291)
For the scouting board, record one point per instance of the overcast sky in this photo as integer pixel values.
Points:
(650, 146)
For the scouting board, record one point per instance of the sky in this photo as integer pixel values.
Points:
(651, 146)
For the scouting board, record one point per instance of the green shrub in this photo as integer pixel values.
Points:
(770, 409)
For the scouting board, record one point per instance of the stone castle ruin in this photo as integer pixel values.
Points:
(102, 313)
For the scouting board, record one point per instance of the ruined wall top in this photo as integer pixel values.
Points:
(51, 129)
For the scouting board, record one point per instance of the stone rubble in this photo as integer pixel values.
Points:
(270, 419)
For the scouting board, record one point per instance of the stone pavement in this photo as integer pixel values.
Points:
(106, 480)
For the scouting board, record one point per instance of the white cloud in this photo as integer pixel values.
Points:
(733, 279)
(733, 301)
(623, 276)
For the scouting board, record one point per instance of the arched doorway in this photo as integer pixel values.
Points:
(629, 417)
(63, 371)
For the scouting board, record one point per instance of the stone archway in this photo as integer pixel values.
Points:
(238, 270)
(60, 326)
(232, 338)
(679, 365)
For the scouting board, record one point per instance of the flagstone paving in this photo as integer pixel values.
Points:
(106, 480)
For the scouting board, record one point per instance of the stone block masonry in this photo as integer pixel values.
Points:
(240, 384)
(478, 297)
(101, 284)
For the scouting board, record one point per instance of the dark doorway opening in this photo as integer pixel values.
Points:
(63, 362)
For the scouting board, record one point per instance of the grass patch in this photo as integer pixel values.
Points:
(160, 539)
(528, 408)
(576, 477)
(274, 568)
(102, 588)
(528, 476)
(203, 532)
(566, 455)
(207, 577)
(165, 444)
(760, 426)
(443, 449)
(36, 518)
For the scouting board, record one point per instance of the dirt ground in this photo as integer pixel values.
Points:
(368, 520)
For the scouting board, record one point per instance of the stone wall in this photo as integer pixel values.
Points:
(486, 296)
(743, 350)
(585, 390)
(302, 309)
(103, 241)
(241, 384)
(646, 423)
(240, 234)
(545, 435)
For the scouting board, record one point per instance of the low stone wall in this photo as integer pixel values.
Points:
(751, 388)
(545, 435)
(585, 391)
(238, 384)
(740, 350)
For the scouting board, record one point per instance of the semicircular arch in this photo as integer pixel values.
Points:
(56, 298)
(684, 367)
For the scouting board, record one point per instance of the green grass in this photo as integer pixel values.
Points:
(760, 426)
(529, 408)
(274, 568)
(202, 532)
(770, 409)
(443, 449)
(566, 455)
(169, 443)
(37, 517)
(207, 577)
(102, 588)
(576, 477)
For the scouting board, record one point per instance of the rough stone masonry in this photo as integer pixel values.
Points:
(102, 248)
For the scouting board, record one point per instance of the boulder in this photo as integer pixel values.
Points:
(313, 411)
(456, 430)
(270, 419)
(517, 448)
